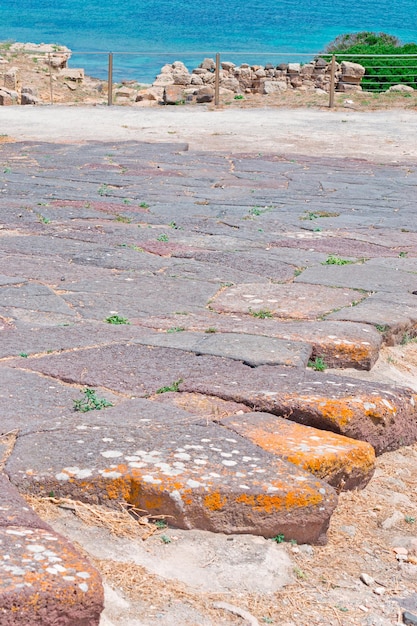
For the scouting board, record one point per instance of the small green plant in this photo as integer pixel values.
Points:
(336, 260)
(175, 386)
(102, 190)
(261, 314)
(23, 354)
(166, 539)
(318, 364)
(7, 170)
(382, 328)
(299, 573)
(409, 519)
(173, 225)
(116, 319)
(403, 255)
(239, 97)
(144, 205)
(127, 201)
(161, 523)
(298, 271)
(267, 620)
(90, 402)
(175, 329)
(123, 218)
(210, 330)
(43, 219)
(162, 237)
(278, 538)
(344, 609)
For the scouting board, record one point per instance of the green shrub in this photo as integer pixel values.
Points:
(380, 72)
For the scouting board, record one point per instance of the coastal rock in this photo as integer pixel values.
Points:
(401, 88)
(352, 72)
(205, 94)
(274, 86)
(173, 94)
(153, 94)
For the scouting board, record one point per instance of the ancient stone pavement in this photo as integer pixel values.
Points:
(167, 321)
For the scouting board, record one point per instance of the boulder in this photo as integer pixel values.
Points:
(401, 88)
(352, 72)
(294, 68)
(228, 66)
(208, 64)
(11, 79)
(173, 94)
(76, 74)
(274, 86)
(231, 84)
(205, 94)
(196, 80)
(163, 80)
(181, 76)
(5, 98)
(29, 98)
(347, 87)
(153, 94)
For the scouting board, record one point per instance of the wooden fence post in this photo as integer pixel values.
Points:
(217, 81)
(110, 81)
(332, 82)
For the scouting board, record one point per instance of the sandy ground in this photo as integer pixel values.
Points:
(382, 136)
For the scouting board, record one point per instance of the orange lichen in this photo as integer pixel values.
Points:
(267, 503)
(215, 501)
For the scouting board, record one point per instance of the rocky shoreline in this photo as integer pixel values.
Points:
(33, 74)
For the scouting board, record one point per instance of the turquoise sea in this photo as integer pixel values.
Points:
(189, 30)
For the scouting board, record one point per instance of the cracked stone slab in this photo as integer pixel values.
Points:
(341, 344)
(394, 314)
(342, 462)
(251, 349)
(44, 581)
(360, 276)
(34, 303)
(293, 301)
(201, 475)
(384, 416)
(30, 402)
(97, 299)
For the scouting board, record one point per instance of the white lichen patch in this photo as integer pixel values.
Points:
(111, 454)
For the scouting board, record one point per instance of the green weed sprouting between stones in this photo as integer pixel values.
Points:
(278, 538)
(90, 402)
(318, 364)
(175, 386)
(116, 319)
(162, 237)
(336, 260)
(261, 314)
(176, 329)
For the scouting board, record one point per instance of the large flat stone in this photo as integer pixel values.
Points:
(341, 344)
(162, 461)
(360, 276)
(34, 302)
(342, 462)
(384, 416)
(394, 314)
(44, 581)
(283, 301)
(14, 510)
(251, 349)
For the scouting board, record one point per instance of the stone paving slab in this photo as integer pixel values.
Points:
(394, 315)
(342, 462)
(43, 579)
(156, 234)
(199, 474)
(251, 349)
(340, 344)
(360, 276)
(383, 416)
(283, 301)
